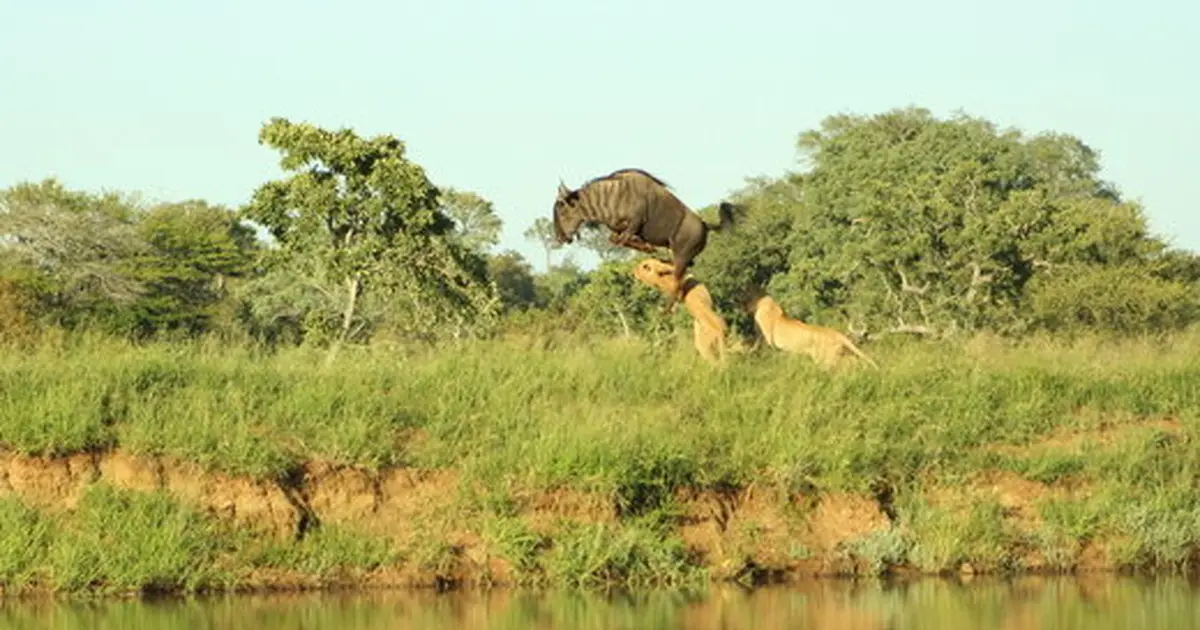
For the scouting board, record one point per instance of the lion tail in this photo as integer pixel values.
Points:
(859, 353)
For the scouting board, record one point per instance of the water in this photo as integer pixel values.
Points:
(1025, 604)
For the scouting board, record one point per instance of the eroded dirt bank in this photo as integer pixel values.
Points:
(753, 532)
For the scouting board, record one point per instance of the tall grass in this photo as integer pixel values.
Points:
(640, 422)
(616, 415)
(118, 542)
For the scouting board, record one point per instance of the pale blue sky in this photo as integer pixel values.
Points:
(505, 97)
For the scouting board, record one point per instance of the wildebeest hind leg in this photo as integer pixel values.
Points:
(676, 296)
(681, 267)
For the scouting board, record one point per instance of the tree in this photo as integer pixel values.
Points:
(1117, 298)
(196, 248)
(910, 223)
(514, 280)
(613, 302)
(477, 227)
(357, 214)
(542, 232)
(596, 239)
(556, 287)
(71, 249)
(756, 251)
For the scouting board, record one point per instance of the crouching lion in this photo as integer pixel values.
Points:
(826, 346)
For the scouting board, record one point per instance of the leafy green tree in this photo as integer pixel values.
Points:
(541, 231)
(514, 280)
(756, 251)
(358, 215)
(613, 302)
(556, 287)
(596, 240)
(50, 192)
(476, 224)
(1118, 298)
(909, 223)
(196, 249)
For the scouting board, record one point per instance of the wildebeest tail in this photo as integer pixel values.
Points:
(728, 216)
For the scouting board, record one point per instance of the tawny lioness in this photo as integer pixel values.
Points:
(826, 346)
(708, 328)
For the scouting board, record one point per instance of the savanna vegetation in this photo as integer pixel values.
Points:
(1037, 407)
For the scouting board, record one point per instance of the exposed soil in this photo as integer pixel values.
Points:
(748, 533)
(1109, 430)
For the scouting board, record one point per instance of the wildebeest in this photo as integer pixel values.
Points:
(642, 213)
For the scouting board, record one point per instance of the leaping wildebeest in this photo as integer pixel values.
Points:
(642, 213)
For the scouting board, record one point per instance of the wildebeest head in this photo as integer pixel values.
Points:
(566, 216)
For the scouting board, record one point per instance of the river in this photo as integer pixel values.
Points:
(1094, 603)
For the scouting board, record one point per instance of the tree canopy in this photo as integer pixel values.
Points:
(908, 223)
(355, 216)
(894, 222)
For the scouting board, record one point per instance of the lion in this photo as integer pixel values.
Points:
(708, 328)
(826, 346)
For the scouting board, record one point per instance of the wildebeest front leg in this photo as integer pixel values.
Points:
(626, 233)
(632, 241)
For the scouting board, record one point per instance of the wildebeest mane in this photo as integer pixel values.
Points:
(620, 171)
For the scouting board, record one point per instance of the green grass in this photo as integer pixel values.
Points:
(636, 422)
(329, 553)
(619, 415)
(114, 542)
(121, 541)
(632, 555)
(118, 542)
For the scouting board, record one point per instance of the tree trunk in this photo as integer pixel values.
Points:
(624, 323)
(353, 288)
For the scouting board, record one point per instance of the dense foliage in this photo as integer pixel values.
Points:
(900, 222)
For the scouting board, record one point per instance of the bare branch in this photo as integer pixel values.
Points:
(320, 287)
(970, 201)
(624, 323)
(978, 278)
(84, 249)
(911, 330)
(906, 286)
(977, 275)
(857, 333)
(924, 313)
(888, 287)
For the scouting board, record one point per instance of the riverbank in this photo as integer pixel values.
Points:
(183, 468)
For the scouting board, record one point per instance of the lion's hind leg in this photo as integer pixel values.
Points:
(701, 339)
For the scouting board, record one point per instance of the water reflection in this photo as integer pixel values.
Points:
(1095, 603)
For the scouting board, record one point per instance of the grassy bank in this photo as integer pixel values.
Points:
(1104, 432)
